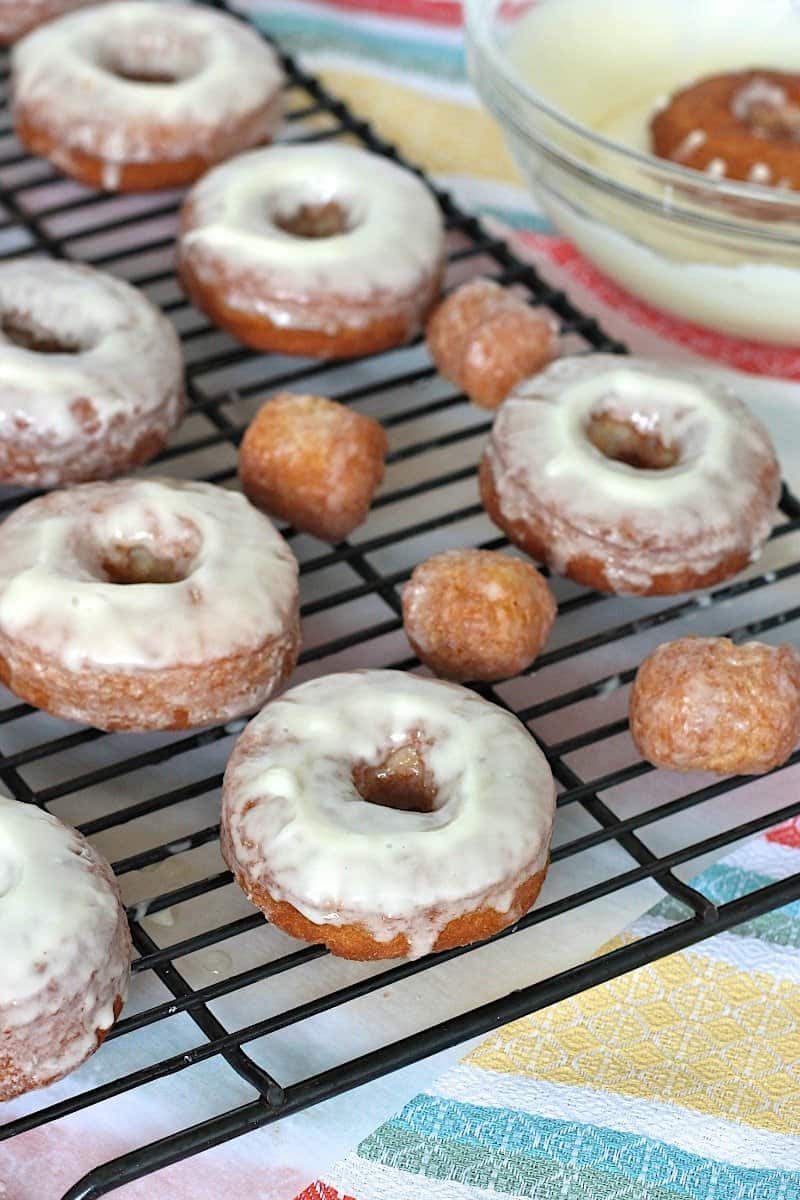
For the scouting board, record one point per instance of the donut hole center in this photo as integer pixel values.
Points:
(22, 330)
(401, 781)
(632, 443)
(139, 562)
(156, 58)
(313, 220)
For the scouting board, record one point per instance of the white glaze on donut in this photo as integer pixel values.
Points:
(693, 141)
(757, 91)
(299, 828)
(239, 589)
(224, 71)
(65, 949)
(393, 247)
(643, 522)
(79, 410)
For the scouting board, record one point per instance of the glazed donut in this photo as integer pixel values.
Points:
(18, 17)
(145, 604)
(137, 95)
(313, 463)
(486, 340)
(477, 614)
(631, 477)
(706, 704)
(326, 251)
(741, 125)
(66, 949)
(91, 374)
(387, 815)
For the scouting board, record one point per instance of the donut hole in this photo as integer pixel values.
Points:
(308, 220)
(22, 330)
(138, 563)
(632, 444)
(144, 56)
(401, 781)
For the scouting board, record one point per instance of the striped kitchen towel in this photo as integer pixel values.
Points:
(679, 1081)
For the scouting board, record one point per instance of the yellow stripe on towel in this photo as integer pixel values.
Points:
(686, 1030)
(443, 136)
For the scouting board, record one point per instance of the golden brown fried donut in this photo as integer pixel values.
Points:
(91, 374)
(629, 476)
(132, 96)
(387, 815)
(485, 339)
(145, 604)
(477, 614)
(66, 949)
(740, 125)
(707, 704)
(314, 463)
(323, 250)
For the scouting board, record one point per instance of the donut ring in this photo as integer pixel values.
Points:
(205, 628)
(387, 815)
(477, 614)
(62, 989)
(706, 704)
(91, 374)
(136, 95)
(631, 477)
(326, 251)
(20, 16)
(741, 125)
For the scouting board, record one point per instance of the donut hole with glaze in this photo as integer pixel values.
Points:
(635, 441)
(22, 329)
(308, 216)
(402, 780)
(153, 56)
(153, 559)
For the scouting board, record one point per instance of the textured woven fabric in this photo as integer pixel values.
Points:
(680, 1081)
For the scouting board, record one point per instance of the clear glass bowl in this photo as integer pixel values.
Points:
(724, 254)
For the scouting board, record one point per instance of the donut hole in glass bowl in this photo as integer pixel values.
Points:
(402, 780)
(156, 560)
(22, 329)
(632, 443)
(157, 58)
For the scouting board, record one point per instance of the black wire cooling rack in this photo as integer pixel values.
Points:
(151, 802)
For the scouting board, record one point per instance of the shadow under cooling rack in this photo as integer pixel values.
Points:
(219, 996)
